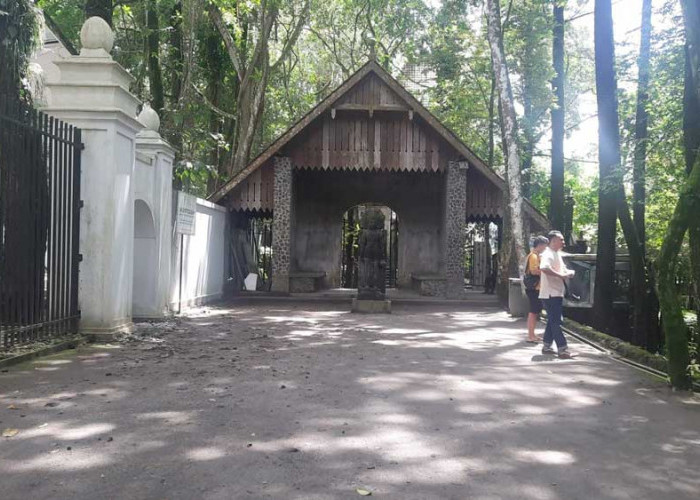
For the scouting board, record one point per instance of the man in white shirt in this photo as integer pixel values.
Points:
(552, 289)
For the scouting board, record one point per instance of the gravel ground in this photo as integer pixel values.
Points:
(308, 401)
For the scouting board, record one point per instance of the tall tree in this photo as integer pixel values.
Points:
(687, 208)
(175, 53)
(608, 161)
(612, 202)
(691, 140)
(556, 203)
(641, 124)
(155, 76)
(251, 60)
(514, 246)
(99, 8)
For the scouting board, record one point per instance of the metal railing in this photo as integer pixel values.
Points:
(39, 225)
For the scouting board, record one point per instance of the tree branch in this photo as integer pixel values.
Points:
(217, 19)
(292, 39)
(211, 106)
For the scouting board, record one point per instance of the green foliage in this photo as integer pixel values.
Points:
(437, 49)
(19, 36)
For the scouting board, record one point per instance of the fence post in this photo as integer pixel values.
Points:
(92, 92)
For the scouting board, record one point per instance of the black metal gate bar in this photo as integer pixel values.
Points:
(39, 224)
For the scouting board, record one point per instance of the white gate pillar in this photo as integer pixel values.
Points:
(92, 93)
(150, 143)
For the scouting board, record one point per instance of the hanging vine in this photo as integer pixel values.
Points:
(19, 36)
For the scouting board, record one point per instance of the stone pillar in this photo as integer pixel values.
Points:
(92, 92)
(156, 187)
(282, 224)
(454, 228)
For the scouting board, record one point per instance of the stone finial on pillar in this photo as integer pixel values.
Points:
(282, 224)
(148, 117)
(454, 228)
(96, 38)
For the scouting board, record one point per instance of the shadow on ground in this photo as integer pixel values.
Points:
(311, 402)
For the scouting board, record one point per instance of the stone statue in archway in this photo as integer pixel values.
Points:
(372, 254)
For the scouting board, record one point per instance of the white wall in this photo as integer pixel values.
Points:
(145, 295)
(152, 228)
(203, 258)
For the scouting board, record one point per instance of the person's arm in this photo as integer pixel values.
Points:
(551, 272)
(569, 273)
(533, 265)
(546, 267)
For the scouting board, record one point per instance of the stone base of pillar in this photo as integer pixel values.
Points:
(454, 289)
(107, 334)
(371, 306)
(280, 284)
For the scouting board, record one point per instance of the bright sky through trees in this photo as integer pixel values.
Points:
(627, 16)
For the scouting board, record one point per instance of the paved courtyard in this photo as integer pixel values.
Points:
(307, 401)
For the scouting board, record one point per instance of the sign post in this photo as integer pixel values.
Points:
(184, 225)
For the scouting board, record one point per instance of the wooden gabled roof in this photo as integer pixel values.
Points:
(413, 104)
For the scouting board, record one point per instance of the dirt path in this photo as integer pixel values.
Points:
(294, 401)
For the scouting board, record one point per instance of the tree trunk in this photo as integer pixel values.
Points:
(155, 76)
(528, 137)
(253, 76)
(175, 53)
(609, 162)
(514, 207)
(492, 127)
(691, 139)
(99, 8)
(674, 325)
(645, 321)
(686, 210)
(640, 150)
(556, 203)
(177, 64)
(251, 102)
(645, 313)
(214, 80)
(612, 199)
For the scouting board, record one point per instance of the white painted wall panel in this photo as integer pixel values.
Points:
(202, 260)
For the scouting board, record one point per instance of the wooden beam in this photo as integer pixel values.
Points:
(370, 107)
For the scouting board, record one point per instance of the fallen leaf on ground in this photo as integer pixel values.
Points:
(8, 433)
(12, 407)
(363, 492)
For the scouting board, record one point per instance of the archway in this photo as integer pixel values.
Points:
(349, 247)
(144, 296)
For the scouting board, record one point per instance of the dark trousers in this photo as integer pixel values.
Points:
(553, 333)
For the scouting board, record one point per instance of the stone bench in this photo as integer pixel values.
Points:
(431, 285)
(306, 281)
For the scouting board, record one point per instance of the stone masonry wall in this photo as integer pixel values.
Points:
(281, 224)
(455, 214)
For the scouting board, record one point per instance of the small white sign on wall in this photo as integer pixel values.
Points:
(186, 213)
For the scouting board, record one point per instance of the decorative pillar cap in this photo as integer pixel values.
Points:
(149, 118)
(96, 38)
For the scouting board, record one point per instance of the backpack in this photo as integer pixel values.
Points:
(530, 280)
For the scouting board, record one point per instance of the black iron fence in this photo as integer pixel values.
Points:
(260, 231)
(39, 225)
